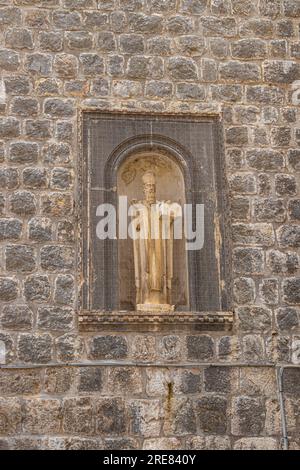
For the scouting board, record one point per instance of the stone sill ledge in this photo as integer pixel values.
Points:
(144, 321)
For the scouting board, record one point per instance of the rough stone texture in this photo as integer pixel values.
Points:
(237, 59)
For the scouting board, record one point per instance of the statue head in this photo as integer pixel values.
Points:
(149, 186)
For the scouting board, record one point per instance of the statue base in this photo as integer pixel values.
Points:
(162, 308)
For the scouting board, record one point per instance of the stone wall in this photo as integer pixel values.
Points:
(238, 59)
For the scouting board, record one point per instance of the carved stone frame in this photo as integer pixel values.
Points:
(109, 317)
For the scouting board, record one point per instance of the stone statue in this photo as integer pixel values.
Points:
(153, 249)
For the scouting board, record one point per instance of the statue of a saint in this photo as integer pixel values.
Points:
(153, 228)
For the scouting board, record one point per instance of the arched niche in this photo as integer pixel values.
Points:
(170, 186)
(193, 145)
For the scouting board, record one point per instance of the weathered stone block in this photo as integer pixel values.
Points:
(61, 178)
(249, 49)
(245, 72)
(218, 26)
(40, 229)
(9, 60)
(188, 91)
(56, 154)
(110, 416)
(51, 41)
(8, 289)
(281, 136)
(244, 290)
(181, 68)
(208, 442)
(285, 72)
(243, 183)
(218, 379)
(9, 178)
(57, 258)
(23, 203)
(106, 41)
(92, 64)
(38, 129)
(124, 380)
(228, 348)
(253, 234)
(191, 45)
(289, 236)
(65, 231)
(294, 209)
(108, 347)
(9, 127)
(57, 204)
(249, 416)
(48, 87)
(78, 416)
(287, 318)
(291, 8)
(285, 185)
(127, 89)
(186, 382)
(20, 382)
(211, 412)
(64, 289)
(17, 85)
(269, 291)
(58, 380)
(163, 443)
(69, 347)
(144, 348)
(269, 209)
(159, 45)
(39, 64)
(265, 159)
(66, 20)
(280, 262)
(291, 290)
(42, 416)
(55, 318)
(257, 27)
(149, 24)
(79, 40)
(38, 19)
(258, 381)
(254, 318)
(200, 347)
(23, 152)
(56, 107)
(291, 382)
(254, 349)
(20, 258)
(145, 417)
(10, 229)
(243, 7)
(248, 260)
(37, 288)
(180, 418)
(65, 65)
(36, 349)
(256, 443)
(18, 38)
(11, 416)
(25, 107)
(158, 89)
(90, 379)
(16, 317)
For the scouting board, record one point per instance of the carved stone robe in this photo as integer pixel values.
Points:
(153, 252)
